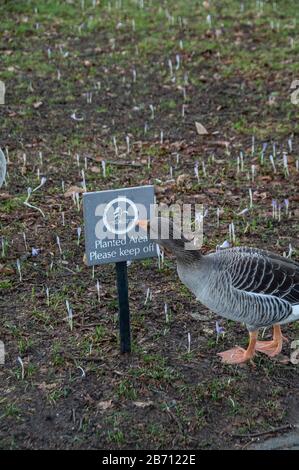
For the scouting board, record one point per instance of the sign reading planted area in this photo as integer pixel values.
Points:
(110, 218)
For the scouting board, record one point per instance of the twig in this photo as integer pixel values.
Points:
(117, 163)
(88, 358)
(90, 325)
(271, 431)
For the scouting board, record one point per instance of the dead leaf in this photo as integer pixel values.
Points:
(159, 190)
(143, 404)
(5, 195)
(201, 130)
(72, 190)
(265, 178)
(43, 386)
(221, 143)
(198, 316)
(184, 181)
(38, 104)
(104, 405)
(208, 330)
(95, 169)
(6, 269)
(118, 372)
(294, 358)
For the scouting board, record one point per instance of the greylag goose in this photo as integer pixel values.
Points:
(248, 285)
(2, 168)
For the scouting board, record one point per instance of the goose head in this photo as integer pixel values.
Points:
(170, 237)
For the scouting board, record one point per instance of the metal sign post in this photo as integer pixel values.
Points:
(124, 309)
(111, 236)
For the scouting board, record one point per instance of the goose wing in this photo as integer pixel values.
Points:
(263, 272)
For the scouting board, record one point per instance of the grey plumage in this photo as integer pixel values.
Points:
(244, 284)
(247, 285)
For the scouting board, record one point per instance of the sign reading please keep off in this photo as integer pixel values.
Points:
(110, 218)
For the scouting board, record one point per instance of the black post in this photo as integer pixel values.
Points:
(124, 310)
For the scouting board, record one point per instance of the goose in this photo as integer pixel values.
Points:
(2, 168)
(244, 284)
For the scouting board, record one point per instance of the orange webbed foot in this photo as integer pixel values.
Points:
(236, 355)
(271, 348)
(239, 355)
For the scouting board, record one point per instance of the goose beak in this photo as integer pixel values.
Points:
(143, 223)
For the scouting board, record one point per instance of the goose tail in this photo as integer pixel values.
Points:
(296, 311)
(294, 316)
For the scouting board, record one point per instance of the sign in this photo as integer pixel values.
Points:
(110, 218)
(112, 236)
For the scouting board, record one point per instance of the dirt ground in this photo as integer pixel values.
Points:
(152, 70)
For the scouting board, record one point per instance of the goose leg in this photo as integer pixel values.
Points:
(273, 347)
(238, 355)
